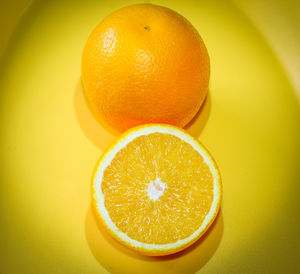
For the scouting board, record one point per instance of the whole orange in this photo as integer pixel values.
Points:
(145, 64)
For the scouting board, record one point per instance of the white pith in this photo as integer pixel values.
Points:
(156, 189)
(106, 160)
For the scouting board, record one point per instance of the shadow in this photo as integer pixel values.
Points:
(197, 124)
(100, 136)
(105, 249)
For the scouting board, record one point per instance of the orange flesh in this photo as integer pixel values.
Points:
(177, 174)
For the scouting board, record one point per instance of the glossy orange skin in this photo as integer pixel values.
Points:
(145, 64)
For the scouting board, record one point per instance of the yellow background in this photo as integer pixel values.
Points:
(50, 142)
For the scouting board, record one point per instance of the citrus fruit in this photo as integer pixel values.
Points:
(145, 64)
(156, 189)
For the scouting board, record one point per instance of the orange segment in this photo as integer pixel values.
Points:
(157, 189)
(164, 181)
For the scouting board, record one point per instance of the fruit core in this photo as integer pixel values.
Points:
(156, 189)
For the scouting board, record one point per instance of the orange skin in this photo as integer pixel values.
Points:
(145, 64)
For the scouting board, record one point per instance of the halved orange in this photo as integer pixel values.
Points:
(156, 189)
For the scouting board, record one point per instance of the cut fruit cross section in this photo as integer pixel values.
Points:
(156, 189)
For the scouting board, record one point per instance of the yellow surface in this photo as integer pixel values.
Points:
(50, 143)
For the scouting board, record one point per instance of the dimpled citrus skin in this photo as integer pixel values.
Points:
(145, 64)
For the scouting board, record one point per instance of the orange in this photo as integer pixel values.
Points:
(156, 189)
(145, 64)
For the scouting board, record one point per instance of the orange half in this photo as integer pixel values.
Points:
(156, 189)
